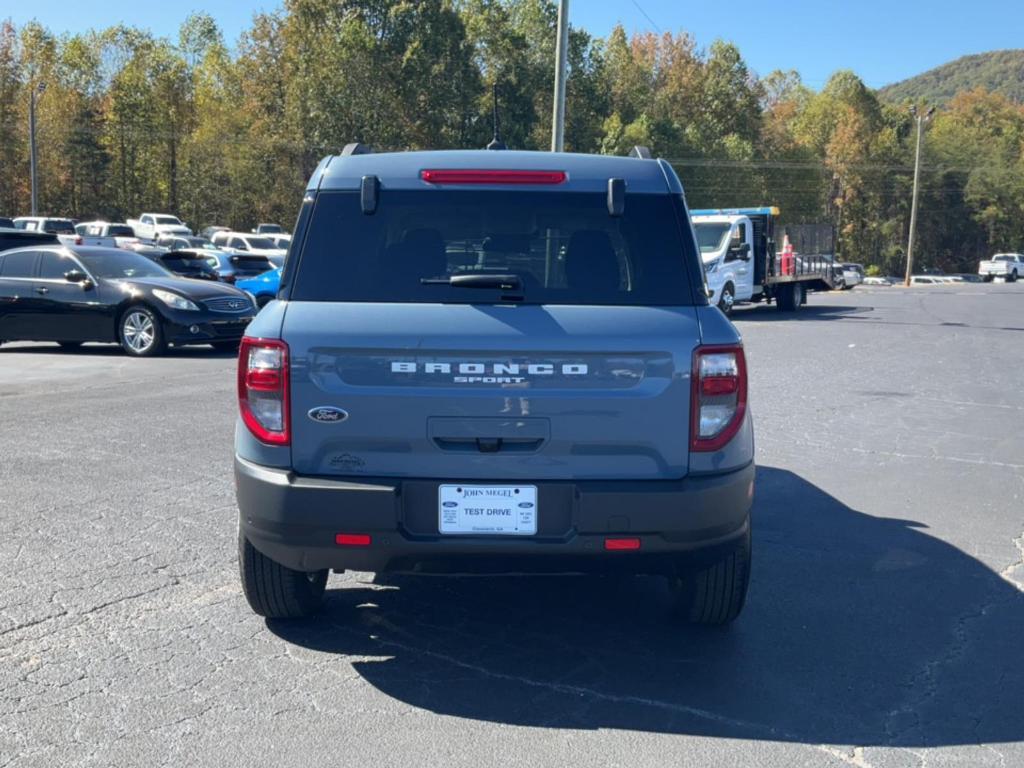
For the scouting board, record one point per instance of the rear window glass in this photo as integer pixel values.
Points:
(251, 263)
(59, 226)
(184, 262)
(562, 247)
(120, 230)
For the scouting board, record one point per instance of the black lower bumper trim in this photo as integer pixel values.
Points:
(294, 520)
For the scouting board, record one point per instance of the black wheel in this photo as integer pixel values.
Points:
(70, 344)
(714, 595)
(262, 301)
(140, 333)
(225, 346)
(275, 591)
(789, 297)
(727, 300)
(987, 278)
(1013, 277)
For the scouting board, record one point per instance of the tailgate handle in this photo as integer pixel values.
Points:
(488, 444)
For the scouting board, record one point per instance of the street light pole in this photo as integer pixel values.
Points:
(921, 120)
(36, 90)
(561, 58)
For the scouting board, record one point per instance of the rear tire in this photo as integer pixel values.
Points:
(714, 595)
(275, 591)
(1013, 277)
(789, 297)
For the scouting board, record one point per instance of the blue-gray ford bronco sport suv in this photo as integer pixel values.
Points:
(493, 361)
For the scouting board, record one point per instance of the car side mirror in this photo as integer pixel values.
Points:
(78, 276)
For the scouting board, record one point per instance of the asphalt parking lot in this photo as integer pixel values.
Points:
(884, 624)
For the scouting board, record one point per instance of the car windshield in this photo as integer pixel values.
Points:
(266, 229)
(116, 265)
(167, 220)
(551, 247)
(199, 242)
(710, 237)
(120, 230)
(263, 243)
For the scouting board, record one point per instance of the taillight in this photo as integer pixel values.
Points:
(718, 396)
(263, 389)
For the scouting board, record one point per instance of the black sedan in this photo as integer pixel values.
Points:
(76, 294)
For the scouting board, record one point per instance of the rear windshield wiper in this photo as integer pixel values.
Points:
(502, 282)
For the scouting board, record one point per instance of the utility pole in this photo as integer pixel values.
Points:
(561, 57)
(921, 120)
(35, 91)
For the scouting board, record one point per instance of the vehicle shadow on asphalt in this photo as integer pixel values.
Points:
(858, 630)
(768, 313)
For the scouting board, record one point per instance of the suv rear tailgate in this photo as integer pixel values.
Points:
(475, 391)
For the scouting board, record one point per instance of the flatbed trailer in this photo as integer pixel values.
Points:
(741, 256)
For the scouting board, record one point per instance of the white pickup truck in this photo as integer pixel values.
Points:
(1008, 266)
(112, 235)
(149, 226)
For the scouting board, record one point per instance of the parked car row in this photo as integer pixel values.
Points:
(76, 294)
(229, 256)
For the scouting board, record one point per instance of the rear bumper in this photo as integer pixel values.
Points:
(294, 520)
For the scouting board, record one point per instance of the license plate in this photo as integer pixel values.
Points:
(507, 510)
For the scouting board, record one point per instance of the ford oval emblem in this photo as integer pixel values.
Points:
(327, 414)
(449, 504)
(526, 504)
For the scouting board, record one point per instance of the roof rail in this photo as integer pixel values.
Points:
(641, 153)
(355, 148)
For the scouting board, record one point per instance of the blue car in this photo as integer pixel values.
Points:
(264, 287)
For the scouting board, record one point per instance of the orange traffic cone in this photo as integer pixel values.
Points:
(787, 262)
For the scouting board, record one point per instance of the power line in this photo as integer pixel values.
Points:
(647, 16)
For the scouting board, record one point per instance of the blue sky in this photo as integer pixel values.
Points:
(815, 37)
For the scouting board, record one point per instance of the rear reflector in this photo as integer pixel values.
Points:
(352, 539)
(492, 177)
(621, 544)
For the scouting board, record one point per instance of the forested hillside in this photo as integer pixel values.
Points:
(228, 132)
(1000, 72)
